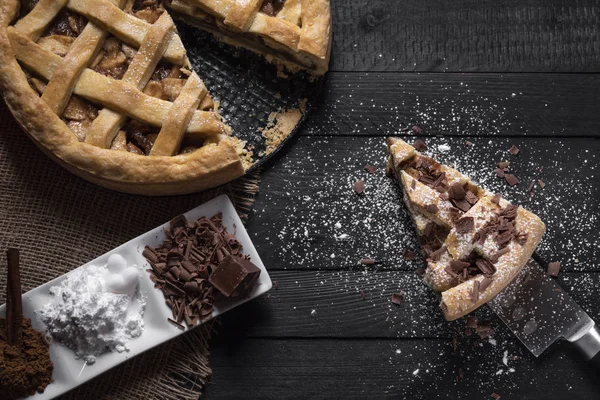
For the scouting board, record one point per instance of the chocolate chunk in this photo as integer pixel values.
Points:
(462, 205)
(487, 268)
(469, 143)
(495, 396)
(465, 225)
(177, 324)
(451, 271)
(554, 268)
(494, 258)
(417, 130)
(530, 186)
(475, 292)
(456, 191)
(511, 179)
(370, 168)
(499, 173)
(514, 150)
(234, 276)
(444, 196)
(472, 322)
(503, 165)
(541, 183)
(359, 186)
(367, 261)
(458, 266)
(432, 208)
(397, 298)
(409, 254)
(419, 145)
(471, 198)
(496, 198)
(485, 283)
(438, 253)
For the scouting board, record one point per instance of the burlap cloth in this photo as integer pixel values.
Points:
(60, 222)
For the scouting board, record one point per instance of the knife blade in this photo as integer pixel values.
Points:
(539, 312)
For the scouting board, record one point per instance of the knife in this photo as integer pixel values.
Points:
(539, 312)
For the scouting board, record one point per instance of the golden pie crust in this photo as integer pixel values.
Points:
(71, 72)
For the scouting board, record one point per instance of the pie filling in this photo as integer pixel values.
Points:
(113, 61)
(264, 46)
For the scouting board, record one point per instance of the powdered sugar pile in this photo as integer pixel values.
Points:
(86, 317)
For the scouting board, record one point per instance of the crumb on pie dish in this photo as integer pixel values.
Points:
(475, 241)
(104, 87)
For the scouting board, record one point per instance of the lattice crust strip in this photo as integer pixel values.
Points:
(486, 235)
(301, 28)
(164, 171)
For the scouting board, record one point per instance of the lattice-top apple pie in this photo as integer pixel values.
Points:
(475, 241)
(105, 88)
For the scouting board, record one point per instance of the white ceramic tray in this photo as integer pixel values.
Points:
(70, 372)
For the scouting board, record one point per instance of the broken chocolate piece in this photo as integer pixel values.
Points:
(530, 186)
(456, 191)
(496, 198)
(485, 283)
(471, 198)
(495, 396)
(541, 183)
(511, 179)
(487, 268)
(370, 168)
(419, 145)
(472, 322)
(503, 165)
(234, 276)
(514, 150)
(367, 261)
(409, 254)
(458, 266)
(554, 268)
(359, 186)
(475, 292)
(462, 205)
(397, 298)
(464, 225)
(432, 208)
(499, 173)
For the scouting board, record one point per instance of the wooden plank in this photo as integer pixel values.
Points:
(308, 216)
(466, 35)
(404, 369)
(357, 303)
(459, 104)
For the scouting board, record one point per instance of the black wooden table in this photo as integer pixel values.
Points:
(496, 73)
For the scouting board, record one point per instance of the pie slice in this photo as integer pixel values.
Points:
(475, 242)
(292, 33)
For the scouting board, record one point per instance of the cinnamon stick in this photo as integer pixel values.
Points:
(14, 306)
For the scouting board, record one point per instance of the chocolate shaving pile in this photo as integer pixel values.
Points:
(432, 238)
(502, 229)
(473, 265)
(428, 172)
(181, 265)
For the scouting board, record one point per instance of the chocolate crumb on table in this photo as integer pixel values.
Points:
(370, 168)
(554, 268)
(397, 298)
(514, 150)
(359, 186)
(419, 145)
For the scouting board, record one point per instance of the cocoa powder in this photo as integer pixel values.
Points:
(27, 369)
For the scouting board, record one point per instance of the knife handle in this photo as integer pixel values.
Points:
(589, 345)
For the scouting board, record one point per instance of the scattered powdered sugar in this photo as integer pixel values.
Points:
(314, 191)
(86, 317)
